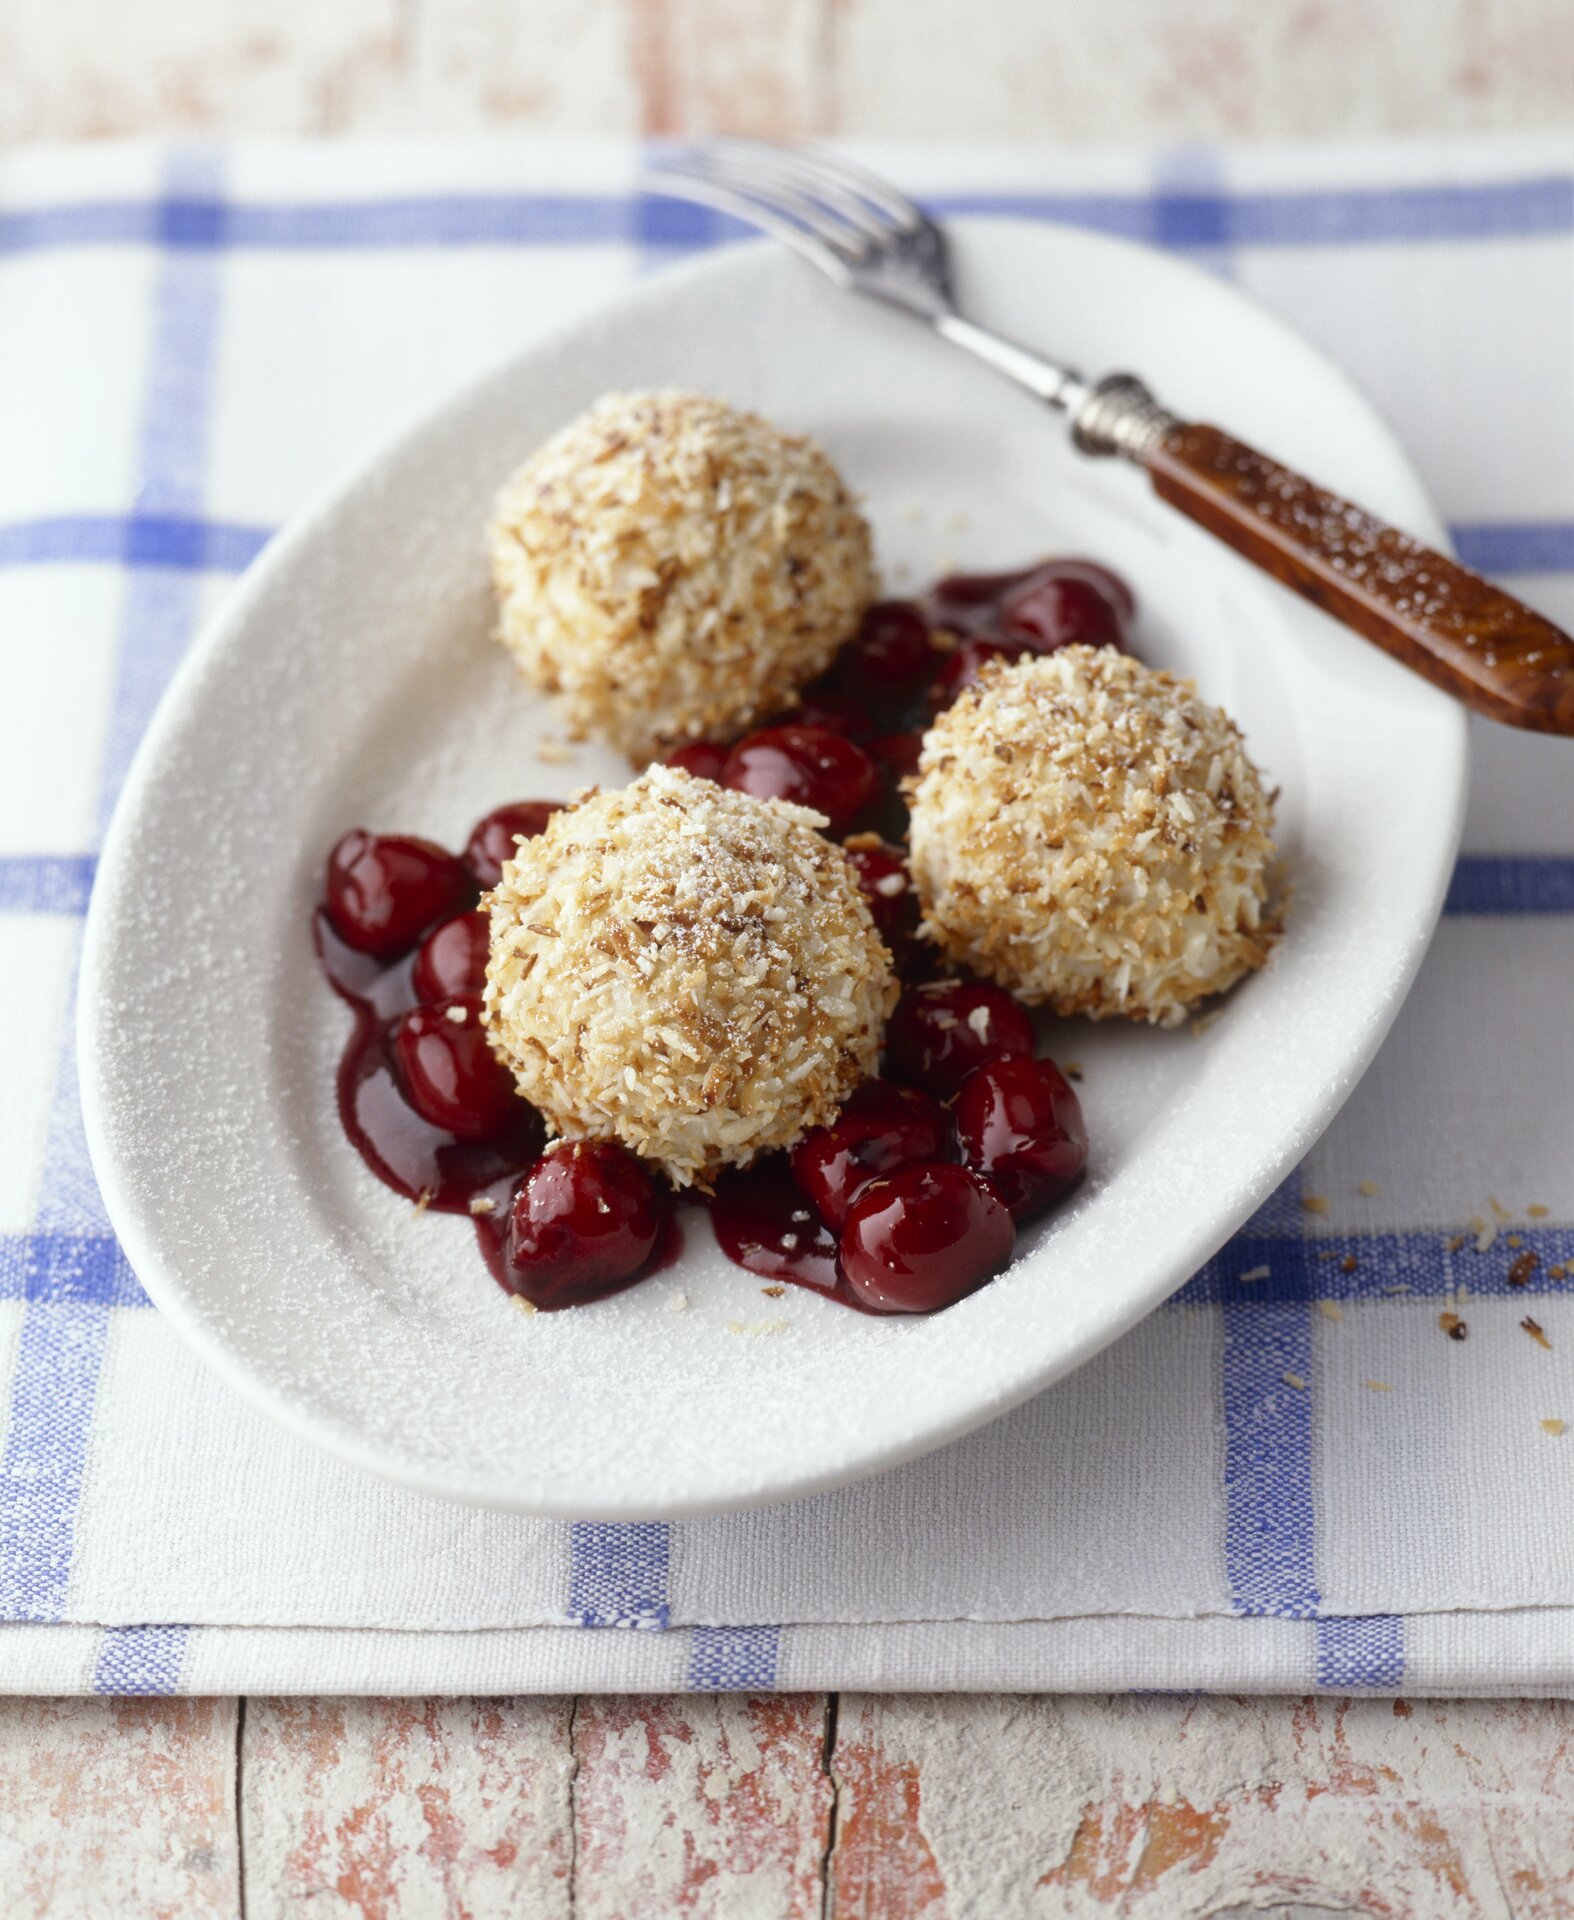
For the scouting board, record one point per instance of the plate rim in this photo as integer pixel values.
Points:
(137, 1235)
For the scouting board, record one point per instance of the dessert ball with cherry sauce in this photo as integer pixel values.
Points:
(935, 1229)
(687, 969)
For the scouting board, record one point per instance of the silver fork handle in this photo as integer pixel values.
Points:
(1115, 415)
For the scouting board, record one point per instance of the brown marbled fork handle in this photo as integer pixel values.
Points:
(1471, 638)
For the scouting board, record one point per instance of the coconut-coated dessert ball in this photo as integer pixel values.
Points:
(676, 569)
(686, 970)
(1090, 834)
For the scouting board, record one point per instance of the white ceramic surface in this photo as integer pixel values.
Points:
(351, 680)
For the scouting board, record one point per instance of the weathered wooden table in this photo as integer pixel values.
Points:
(988, 1806)
(795, 1805)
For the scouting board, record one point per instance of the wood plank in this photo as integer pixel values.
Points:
(1174, 1807)
(120, 1809)
(705, 1805)
(744, 66)
(1012, 70)
(550, 66)
(1209, 70)
(394, 1809)
(127, 67)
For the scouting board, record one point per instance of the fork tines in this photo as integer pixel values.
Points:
(835, 213)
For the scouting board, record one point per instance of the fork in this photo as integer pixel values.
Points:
(1464, 634)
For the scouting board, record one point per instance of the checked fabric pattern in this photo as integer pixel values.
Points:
(1284, 1482)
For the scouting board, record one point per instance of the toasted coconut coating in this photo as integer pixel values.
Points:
(686, 970)
(1090, 834)
(676, 569)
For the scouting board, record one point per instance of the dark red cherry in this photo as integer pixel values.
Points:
(891, 648)
(386, 889)
(943, 1031)
(968, 591)
(924, 1237)
(585, 1220)
(1054, 610)
(1021, 1127)
(808, 765)
(898, 752)
(451, 960)
(1112, 585)
(881, 871)
(882, 1127)
(492, 841)
(963, 666)
(704, 759)
(836, 702)
(450, 1075)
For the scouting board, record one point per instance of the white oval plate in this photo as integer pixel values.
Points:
(351, 680)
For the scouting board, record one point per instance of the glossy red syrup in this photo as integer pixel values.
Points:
(383, 890)
(876, 1211)
(996, 603)
(891, 651)
(702, 759)
(881, 871)
(425, 1163)
(765, 1223)
(449, 1073)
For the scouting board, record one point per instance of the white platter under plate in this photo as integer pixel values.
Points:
(351, 681)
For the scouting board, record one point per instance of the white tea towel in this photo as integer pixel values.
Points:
(1295, 1482)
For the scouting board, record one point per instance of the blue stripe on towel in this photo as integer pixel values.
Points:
(1481, 884)
(187, 543)
(1296, 1270)
(52, 1396)
(1515, 546)
(1269, 1534)
(46, 882)
(201, 222)
(618, 1574)
(179, 542)
(1512, 883)
(1361, 1651)
(136, 1661)
(68, 1269)
(733, 1659)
